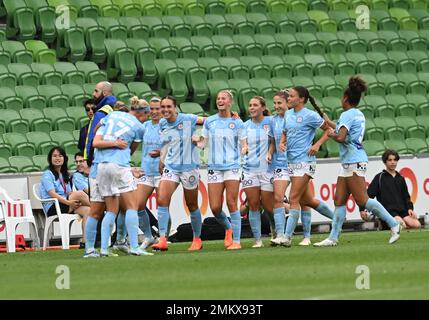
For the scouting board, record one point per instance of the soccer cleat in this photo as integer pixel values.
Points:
(326, 243)
(121, 246)
(395, 233)
(196, 245)
(91, 254)
(147, 242)
(140, 252)
(305, 242)
(228, 238)
(107, 253)
(258, 244)
(234, 246)
(161, 245)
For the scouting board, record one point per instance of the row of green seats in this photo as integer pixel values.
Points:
(24, 164)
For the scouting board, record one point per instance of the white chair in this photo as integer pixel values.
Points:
(64, 219)
(11, 221)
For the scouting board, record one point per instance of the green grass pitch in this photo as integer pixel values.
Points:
(399, 271)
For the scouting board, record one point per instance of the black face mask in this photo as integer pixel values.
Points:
(98, 100)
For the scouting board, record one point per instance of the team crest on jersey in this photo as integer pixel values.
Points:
(266, 127)
(192, 179)
(299, 119)
(231, 126)
(180, 126)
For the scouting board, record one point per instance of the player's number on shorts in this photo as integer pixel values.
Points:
(123, 128)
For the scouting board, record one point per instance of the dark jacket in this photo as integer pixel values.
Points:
(391, 192)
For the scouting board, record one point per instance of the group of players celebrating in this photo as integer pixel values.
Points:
(265, 153)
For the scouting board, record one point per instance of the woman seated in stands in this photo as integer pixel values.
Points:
(55, 183)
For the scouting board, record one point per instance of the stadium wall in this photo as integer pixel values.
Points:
(414, 169)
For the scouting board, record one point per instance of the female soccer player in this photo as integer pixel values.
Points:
(281, 175)
(257, 177)
(181, 165)
(299, 130)
(150, 165)
(114, 175)
(224, 135)
(349, 132)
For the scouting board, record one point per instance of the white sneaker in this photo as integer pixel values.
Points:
(121, 246)
(140, 252)
(326, 243)
(147, 242)
(305, 242)
(276, 241)
(258, 244)
(395, 233)
(107, 253)
(91, 254)
(286, 242)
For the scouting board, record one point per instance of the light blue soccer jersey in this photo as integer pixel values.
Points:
(279, 159)
(224, 135)
(258, 142)
(124, 126)
(300, 128)
(80, 181)
(151, 141)
(351, 150)
(48, 182)
(182, 154)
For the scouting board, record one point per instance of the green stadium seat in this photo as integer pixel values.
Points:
(372, 132)
(195, 79)
(373, 147)
(394, 42)
(270, 45)
(243, 93)
(41, 52)
(36, 119)
(114, 30)
(214, 6)
(128, 8)
(172, 7)
(47, 74)
(341, 64)
(406, 21)
(290, 43)
(263, 24)
(19, 20)
(69, 72)
(63, 6)
(420, 102)
(421, 58)
(178, 28)
(363, 65)
(192, 7)
(185, 49)
(40, 160)
(20, 144)
(162, 65)
(64, 139)
(150, 7)
(332, 148)
(144, 57)
(235, 68)
(277, 65)
(329, 86)
(302, 21)
(331, 42)
(9, 100)
(324, 22)
(122, 92)
(192, 108)
(134, 28)
(412, 129)
(23, 164)
(417, 145)
(13, 121)
(397, 145)
(42, 141)
(206, 46)
(353, 43)
(59, 119)
(277, 6)
(31, 97)
(17, 51)
(155, 26)
(413, 83)
(414, 40)
(94, 38)
(391, 83)
(283, 24)
(297, 5)
(383, 20)
(343, 20)
(44, 17)
(214, 87)
(71, 43)
(198, 25)
(219, 25)
(266, 90)
(88, 88)
(250, 47)
(92, 73)
(422, 17)
(106, 8)
(53, 95)
(228, 47)
(423, 120)
(256, 67)
(23, 74)
(79, 116)
(139, 88)
(374, 42)
(175, 81)
(382, 62)
(5, 57)
(120, 61)
(5, 166)
(85, 8)
(235, 6)
(256, 6)
(76, 94)
(321, 67)
(163, 48)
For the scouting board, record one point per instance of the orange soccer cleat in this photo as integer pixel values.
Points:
(228, 238)
(161, 245)
(234, 246)
(196, 245)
